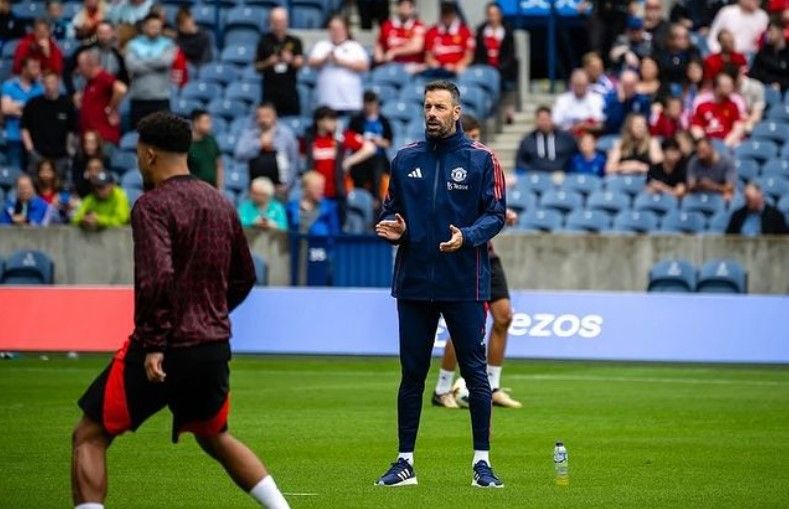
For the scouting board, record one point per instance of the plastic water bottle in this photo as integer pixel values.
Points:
(560, 464)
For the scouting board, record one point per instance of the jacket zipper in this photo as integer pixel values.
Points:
(433, 222)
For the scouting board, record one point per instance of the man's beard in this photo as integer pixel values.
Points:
(438, 131)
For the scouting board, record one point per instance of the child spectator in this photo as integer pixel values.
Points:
(376, 129)
(107, 206)
(588, 161)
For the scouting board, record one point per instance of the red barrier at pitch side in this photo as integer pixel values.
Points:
(86, 319)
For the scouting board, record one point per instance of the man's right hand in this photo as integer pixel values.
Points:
(391, 230)
(153, 367)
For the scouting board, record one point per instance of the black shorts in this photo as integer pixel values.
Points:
(196, 389)
(498, 281)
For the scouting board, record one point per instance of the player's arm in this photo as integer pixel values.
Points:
(241, 278)
(494, 206)
(153, 263)
(391, 219)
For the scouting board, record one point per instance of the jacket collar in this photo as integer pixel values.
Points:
(450, 142)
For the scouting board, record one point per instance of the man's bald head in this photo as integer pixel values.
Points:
(278, 20)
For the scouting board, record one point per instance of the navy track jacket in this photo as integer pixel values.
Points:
(434, 184)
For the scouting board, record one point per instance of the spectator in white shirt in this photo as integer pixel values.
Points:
(745, 20)
(340, 61)
(579, 109)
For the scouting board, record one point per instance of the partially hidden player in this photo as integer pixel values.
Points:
(192, 266)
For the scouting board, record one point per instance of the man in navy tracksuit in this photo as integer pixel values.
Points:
(446, 201)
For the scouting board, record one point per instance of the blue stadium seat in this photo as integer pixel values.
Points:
(132, 194)
(129, 141)
(170, 11)
(307, 76)
(772, 97)
(540, 220)
(520, 200)
(482, 76)
(70, 9)
(475, 98)
(307, 17)
(672, 276)
(747, 169)
(28, 11)
(659, 203)
(5, 69)
(238, 54)
(612, 202)
(121, 161)
(719, 222)
(776, 168)
(580, 183)
(251, 75)
(682, 222)
(228, 109)
(205, 15)
(306, 98)
(393, 75)
(413, 93)
(777, 132)
(722, 276)
(606, 142)
(592, 221)
(236, 180)
(218, 72)
(360, 203)
(8, 177)
(67, 46)
(219, 125)
(563, 201)
(298, 125)
(247, 16)
(636, 221)
(385, 93)
(185, 106)
(775, 187)
(231, 196)
(9, 48)
(237, 125)
(261, 270)
(201, 90)
(227, 142)
(779, 113)
(29, 267)
(706, 203)
(630, 184)
(761, 150)
(535, 181)
(355, 225)
(132, 180)
(245, 92)
(267, 3)
(243, 36)
(401, 111)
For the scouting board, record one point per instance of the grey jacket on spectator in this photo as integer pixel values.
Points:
(148, 62)
(248, 147)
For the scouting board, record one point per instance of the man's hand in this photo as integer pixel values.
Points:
(19, 219)
(511, 217)
(454, 243)
(391, 230)
(153, 367)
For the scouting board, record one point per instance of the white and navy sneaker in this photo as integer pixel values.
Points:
(400, 473)
(484, 476)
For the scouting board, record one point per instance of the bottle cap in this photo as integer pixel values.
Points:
(559, 444)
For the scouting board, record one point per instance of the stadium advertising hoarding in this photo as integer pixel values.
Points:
(558, 325)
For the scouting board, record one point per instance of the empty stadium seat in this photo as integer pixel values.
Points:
(630, 184)
(592, 221)
(237, 125)
(606, 142)
(132, 180)
(360, 202)
(247, 16)
(184, 106)
(201, 90)
(761, 150)
(121, 162)
(219, 73)
(776, 168)
(261, 270)
(609, 201)
(777, 132)
(672, 276)
(636, 221)
(540, 220)
(580, 183)
(385, 93)
(682, 222)
(413, 93)
(659, 203)
(236, 180)
(776, 187)
(779, 113)
(251, 75)
(296, 124)
(392, 74)
(28, 11)
(228, 109)
(307, 76)
(9, 47)
(747, 169)
(563, 201)
(227, 142)
(535, 181)
(306, 98)
(246, 92)
(483, 76)
(231, 196)
(520, 200)
(132, 194)
(129, 141)
(8, 177)
(205, 15)
(719, 222)
(772, 97)
(722, 276)
(238, 54)
(706, 203)
(307, 17)
(475, 100)
(29, 267)
(243, 36)
(401, 111)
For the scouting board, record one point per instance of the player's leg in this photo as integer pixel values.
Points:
(501, 311)
(89, 443)
(442, 396)
(244, 467)
(466, 324)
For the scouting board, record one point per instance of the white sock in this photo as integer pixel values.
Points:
(268, 495)
(494, 377)
(89, 505)
(444, 384)
(408, 456)
(481, 456)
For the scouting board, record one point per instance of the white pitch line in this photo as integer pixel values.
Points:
(693, 381)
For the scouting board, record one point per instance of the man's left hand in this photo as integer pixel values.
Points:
(454, 243)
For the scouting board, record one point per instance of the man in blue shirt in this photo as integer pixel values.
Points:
(623, 101)
(445, 202)
(15, 94)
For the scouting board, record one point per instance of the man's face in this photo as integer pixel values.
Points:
(55, 9)
(578, 83)
(474, 134)
(679, 38)
(41, 31)
(371, 108)
(24, 189)
(629, 81)
(726, 40)
(704, 151)
(313, 189)
(653, 13)
(494, 15)
(152, 28)
(754, 198)
(146, 159)
(544, 122)
(337, 32)
(672, 156)
(594, 68)
(103, 192)
(266, 118)
(725, 86)
(203, 124)
(52, 85)
(32, 70)
(105, 35)
(257, 196)
(405, 10)
(279, 20)
(674, 109)
(440, 113)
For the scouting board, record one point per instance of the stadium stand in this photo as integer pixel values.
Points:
(673, 276)
(28, 268)
(722, 276)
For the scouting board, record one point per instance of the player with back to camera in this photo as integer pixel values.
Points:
(446, 200)
(192, 266)
(501, 310)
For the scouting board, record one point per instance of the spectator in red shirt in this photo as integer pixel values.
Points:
(402, 38)
(720, 117)
(39, 45)
(714, 63)
(98, 102)
(449, 45)
(333, 155)
(666, 120)
(495, 46)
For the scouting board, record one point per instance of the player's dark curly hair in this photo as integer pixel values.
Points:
(165, 131)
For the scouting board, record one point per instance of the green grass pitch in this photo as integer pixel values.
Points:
(638, 435)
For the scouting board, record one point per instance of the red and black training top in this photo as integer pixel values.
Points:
(192, 265)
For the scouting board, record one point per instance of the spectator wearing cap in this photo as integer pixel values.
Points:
(547, 148)
(205, 157)
(261, 210)
(745, 19)
(340, 62)
(711, 172)
(720, 116)
(99, 101)
(449, 45)
(16, 92)
(195, 42)
(149, 58)
(110, 58)
(579, 109)
(401, 38)
(48, 186)
(599, 82)
(86, 20)
(11, 27)
(624, 101)
(669, 175)
(39, 45)
(678, 53)
(279, 58)
(313, 214)
(377, 129)
(107, 206)
(771, 64)
(25, 207)
(715, 62)
(92, 167)
(756, 217)
(632, 46)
